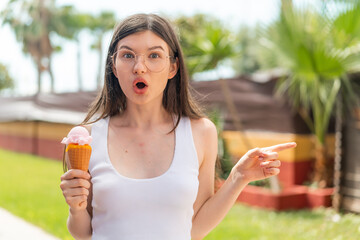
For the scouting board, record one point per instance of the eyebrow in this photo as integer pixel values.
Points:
(151, 48)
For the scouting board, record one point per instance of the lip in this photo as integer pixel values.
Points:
(140, 90)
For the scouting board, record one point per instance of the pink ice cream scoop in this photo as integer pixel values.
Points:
(78, 135)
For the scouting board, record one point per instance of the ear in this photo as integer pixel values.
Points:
(174, 67)
(114, 70)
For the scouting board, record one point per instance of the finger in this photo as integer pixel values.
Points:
(79, 182)
(73, 192)
(256, 152)
(271, 164)
(269, 156)
(75, 173)
(268, 172)
(74, 183)
(280, 147)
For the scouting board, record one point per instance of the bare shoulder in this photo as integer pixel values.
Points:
(203, 126)
(205, 138)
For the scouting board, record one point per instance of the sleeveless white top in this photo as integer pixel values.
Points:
(159, 208)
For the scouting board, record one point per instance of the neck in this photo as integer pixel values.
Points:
(145, 116)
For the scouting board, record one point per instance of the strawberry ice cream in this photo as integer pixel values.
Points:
(78, 135)
(78, 148)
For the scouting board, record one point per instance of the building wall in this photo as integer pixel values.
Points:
(296, 163)
(34, 137)
(43, 139)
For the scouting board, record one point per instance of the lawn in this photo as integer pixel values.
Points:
(29, 188)
(322, 224)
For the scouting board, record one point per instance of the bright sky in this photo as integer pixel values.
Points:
(22, 69)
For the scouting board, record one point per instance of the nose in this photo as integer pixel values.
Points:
(139, 65)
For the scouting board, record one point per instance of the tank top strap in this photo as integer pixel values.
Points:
(99, 134)
(185, 146)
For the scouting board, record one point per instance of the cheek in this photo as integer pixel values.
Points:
(162, 83)
(124, 83)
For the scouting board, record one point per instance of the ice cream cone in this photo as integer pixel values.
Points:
(79, 156)
(78, 148)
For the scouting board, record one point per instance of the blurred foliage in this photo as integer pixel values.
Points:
(69, 25)
(35, 21)
(70, 22)
(224, 161)
(99, 25)
(318, 51)
(5, 80)
(31, 23)
(206, 42)
(102, 22)
(309, 44)
(261, 183)
(247, 44)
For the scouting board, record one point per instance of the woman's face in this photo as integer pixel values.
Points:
(143, 66)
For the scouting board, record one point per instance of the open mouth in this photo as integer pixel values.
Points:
(140, 85)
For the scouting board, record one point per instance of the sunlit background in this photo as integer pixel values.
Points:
(233, 14)
(267, 71)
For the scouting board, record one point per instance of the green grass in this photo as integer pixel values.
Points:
(257, 224)
(29, 188)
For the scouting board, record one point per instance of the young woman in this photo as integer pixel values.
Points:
(151, 173)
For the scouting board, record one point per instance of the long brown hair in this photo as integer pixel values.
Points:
(176, 99)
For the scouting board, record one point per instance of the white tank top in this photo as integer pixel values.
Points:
(159, 208)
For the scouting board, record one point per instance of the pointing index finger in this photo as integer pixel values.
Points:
(281, 147)
(254, 152)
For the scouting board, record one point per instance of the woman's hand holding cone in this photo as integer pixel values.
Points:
(75, 185)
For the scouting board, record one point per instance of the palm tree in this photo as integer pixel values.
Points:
(68, 24)
(32, 27)
(100, 25)
(206, 44)
(319, 52)
(247, 43)
(33, 22)
(205, 41)
(5, 80)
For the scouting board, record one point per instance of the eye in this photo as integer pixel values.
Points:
(154, 55)
(128, 55)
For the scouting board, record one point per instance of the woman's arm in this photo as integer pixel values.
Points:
(210, 208)
(76, 187)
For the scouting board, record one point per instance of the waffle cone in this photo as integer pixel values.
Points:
(79, 156)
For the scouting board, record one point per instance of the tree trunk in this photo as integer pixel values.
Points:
(39, 71)
(80, 81)
(233, 112)
(336, 201)
(100, 62)
(274, 182)
(322, 171)
(52, 80)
